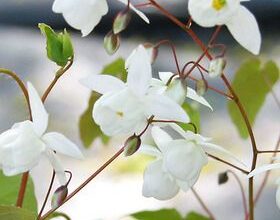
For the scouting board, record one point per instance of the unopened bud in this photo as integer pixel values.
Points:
(121, 21)
(201, 86)
(216, 67)
(59, 196)
(152, 51)
(111, 42)
(222, 178)
(132, 144)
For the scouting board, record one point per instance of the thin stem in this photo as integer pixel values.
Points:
(20, 84)
(214, 89)
(228, 163)
(22, 189)
(58, 74)
(265, 179)
(47, 196)
(203, 205)
(242, 192)
(168, 42)
(87, 181)
(268, 151)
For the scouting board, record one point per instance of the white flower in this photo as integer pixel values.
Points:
(22, 146)
(125, 107)
(179, 161)
(176, 89)
(238, 19)
(84, 15)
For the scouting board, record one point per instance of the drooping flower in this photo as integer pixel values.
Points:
(84, 15)
(176, 90)
(23, 146)
(239, 20)
(178, 163)
(125, 107)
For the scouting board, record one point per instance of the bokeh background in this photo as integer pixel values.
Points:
(117, 191)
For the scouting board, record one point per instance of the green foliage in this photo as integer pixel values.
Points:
(195, 216)
(59, 46)
(167, 214)
(15, 213)
(163, 214)
(9, 192)
(89, 130)
(251, 83)
(194, 117)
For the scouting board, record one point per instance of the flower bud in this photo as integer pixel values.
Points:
(59, 196)
(152, 51)
(222, 178)
(111, 42)
(121, 21)
(132, 144)
(201, 86)
(216, 67)
(177, 91)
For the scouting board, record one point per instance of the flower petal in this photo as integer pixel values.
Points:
(63, 145)
(157, 183)
(205, 15)
(219, 151)
(149, 150)
(103, 83)
(165, 108)
(245, 22)
(184, 159)
(139, 13)
(264, 168)
(57, 166)
(194, 96)
(39, 113)
(160, 137)
(83, 15)
(139, 71)
(186, 185)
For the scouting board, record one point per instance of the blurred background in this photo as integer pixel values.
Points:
(117, 192)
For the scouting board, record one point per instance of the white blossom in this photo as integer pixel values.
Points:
(239, 20)
(125, 107)
(24, 145)
(84, 15)
(178, 163)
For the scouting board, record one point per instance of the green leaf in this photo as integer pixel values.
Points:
(195, 216)
(250, 84)
(194, 117)
(163, 214)
(89, 130)
(59, 45)
(15, 213)
(9, 192)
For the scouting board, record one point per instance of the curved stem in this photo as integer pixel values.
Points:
(20, 84)
(242, 192)
(47, 196)
(168, 42)
(204, 206)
